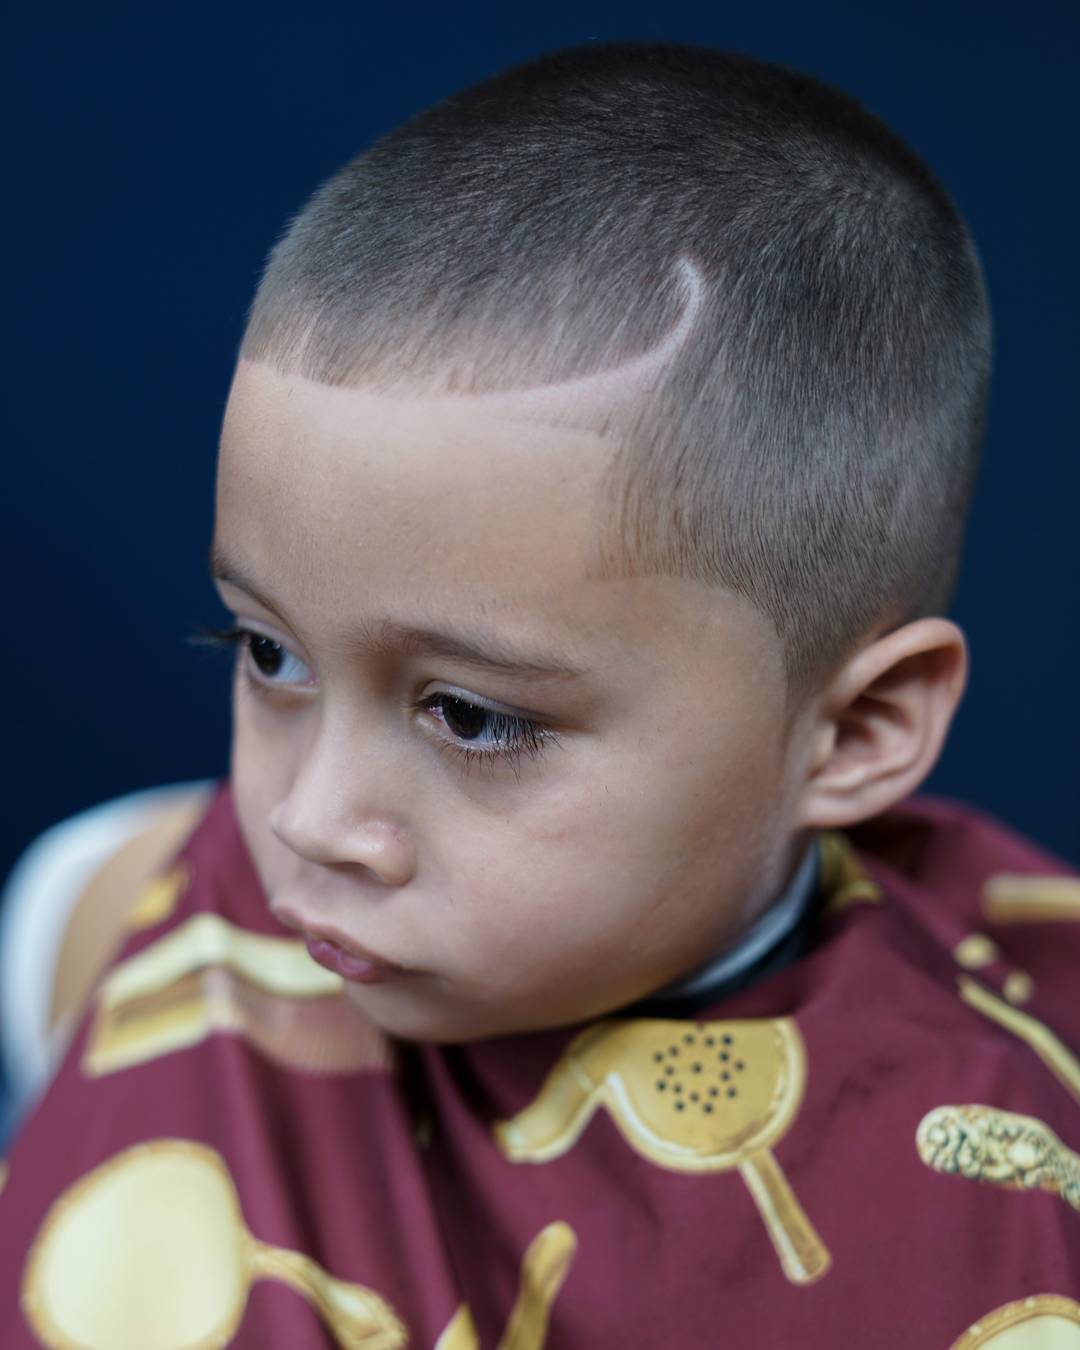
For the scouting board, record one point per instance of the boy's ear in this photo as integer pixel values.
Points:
(879, 725)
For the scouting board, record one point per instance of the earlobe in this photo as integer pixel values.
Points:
(881, 723)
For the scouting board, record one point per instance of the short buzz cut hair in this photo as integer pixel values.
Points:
(812, 444)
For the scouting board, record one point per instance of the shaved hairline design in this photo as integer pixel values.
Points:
(745, 279)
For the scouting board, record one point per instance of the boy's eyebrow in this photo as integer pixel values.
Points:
(387, 636)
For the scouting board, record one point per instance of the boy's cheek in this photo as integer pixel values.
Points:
(544, 918)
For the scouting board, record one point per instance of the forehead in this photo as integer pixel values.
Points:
(345, 502)
(472, 477)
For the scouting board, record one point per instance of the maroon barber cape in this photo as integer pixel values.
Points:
(872, 1146)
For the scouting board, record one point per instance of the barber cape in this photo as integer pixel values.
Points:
(869, 1146)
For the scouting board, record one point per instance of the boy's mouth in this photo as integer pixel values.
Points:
(332, 949)
(348, 964)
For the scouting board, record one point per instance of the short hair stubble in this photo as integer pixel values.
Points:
(811, 446)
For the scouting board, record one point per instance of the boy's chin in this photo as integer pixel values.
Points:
(406, 1015)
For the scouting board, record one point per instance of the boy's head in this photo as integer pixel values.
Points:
(603, 440)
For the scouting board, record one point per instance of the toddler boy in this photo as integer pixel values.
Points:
(565, 961)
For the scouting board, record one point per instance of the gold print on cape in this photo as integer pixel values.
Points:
(158, 898)
(1053, 1052)
(976, 951)
(689, 1096)
(543, 1269)
(1001, 1148)
(1027, 899)
(208, 975)
(1018, 986)
(1041, 1322)
(150, 1251)
(843, 878)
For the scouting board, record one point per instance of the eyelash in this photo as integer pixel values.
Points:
(521, 736)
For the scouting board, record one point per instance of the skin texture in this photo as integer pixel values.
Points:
(666, 799)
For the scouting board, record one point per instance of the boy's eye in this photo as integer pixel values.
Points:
(270, 659)
(267, 656)
(482, 731)
(471, 730)
(463, 719)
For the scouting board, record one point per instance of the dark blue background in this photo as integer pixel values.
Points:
(155, 150)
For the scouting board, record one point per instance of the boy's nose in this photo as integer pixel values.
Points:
(377, 846)
(334, 814)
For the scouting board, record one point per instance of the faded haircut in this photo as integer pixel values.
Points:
(810, 441)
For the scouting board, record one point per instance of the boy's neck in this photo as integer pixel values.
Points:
(726, 971)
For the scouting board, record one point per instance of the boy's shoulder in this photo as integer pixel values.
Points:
(984, 870)
(997, 914)
(921, 826)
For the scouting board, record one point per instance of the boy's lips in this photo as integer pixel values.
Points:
(332, 949)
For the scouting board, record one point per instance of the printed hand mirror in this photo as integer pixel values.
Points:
(150, 1251)
(693, 1097)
